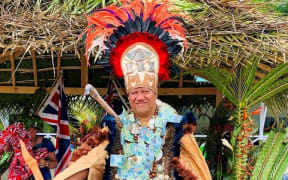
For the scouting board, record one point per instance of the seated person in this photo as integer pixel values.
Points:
(43, 150)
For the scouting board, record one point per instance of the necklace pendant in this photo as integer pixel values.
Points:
(135, 129)
(136, 138)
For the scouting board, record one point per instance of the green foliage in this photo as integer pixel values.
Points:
(272, 161)
(28, 121)
(240, 89)
(5, 161)
(77, 7)
(269, 85)
(89, 116)
(221, 79)
(282, 7)
(279, 6)
(278, 105)
(188, 6)
(25, 104)
(217, 154)
(1, 126)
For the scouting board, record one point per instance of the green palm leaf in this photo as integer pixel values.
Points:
(270, 92)
(221, 79)
(267, 81)
(283, 152)
(278, 104)
(250, 70)
(283, 163)
(268, 161)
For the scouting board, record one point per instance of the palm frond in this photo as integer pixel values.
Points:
(88, 115)
(278, 104)
(221, 79)
(250, 71)
(239, 83)
(272, 154)
(267, 81)
(274, 89)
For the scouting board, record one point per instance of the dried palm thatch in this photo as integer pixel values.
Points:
(25, 25)
(224, 33)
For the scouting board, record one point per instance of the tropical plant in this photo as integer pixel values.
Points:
(240, 88)
(21, 104)
(272, 162)
(1, 125)
(87, 116)
(280, 6)
(5, 161)
(219, 156)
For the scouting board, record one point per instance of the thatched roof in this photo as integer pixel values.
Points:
(223, 33)
(24, 25)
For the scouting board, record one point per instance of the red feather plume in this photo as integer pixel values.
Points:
(159, 10)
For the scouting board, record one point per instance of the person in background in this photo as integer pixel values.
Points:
(190, 122)
(43, 149)
(25, 128)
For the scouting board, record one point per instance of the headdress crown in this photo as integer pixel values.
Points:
(137, 39)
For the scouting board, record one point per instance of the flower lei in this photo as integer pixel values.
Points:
(11, 135)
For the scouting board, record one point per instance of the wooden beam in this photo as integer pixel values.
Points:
(264, 67)
(96, 66)
(187, 91)
(16, 52)
(12, 70)
(260, 75)
(84, 71)
(27, 81)
(34, 68)
(18, 89)
(184, 68)
(102, 91)
(58, 64)
(18, 70)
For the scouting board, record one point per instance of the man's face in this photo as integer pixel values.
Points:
(142, 101)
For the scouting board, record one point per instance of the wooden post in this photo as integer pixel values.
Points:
(218, 97)
(58, 64)
(12, 70)
(84, 71)
(180, 82)
(34, 68)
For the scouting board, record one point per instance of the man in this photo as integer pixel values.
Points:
(139, 39)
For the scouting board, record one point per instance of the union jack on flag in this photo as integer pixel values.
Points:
(54, 112)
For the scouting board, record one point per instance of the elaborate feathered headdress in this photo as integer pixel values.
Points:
(137, 38)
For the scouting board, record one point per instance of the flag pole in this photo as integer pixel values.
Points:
(47, 94)
(113, 79)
